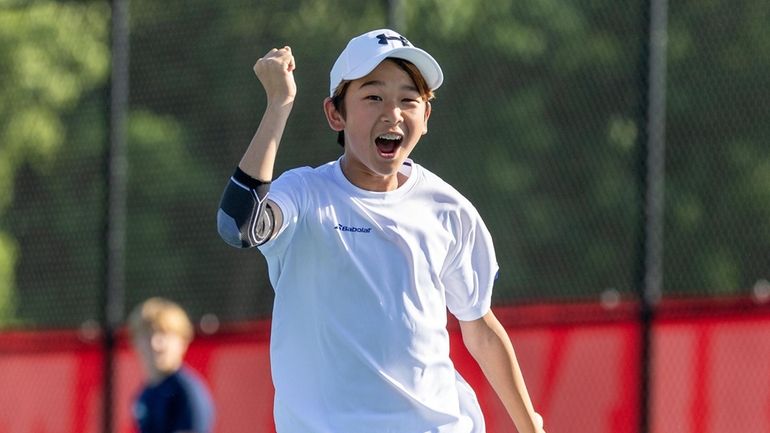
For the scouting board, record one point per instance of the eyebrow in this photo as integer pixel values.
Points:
(382, 83)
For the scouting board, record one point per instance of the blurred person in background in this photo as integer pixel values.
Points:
(174, 398)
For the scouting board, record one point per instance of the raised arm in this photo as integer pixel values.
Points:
(246, 216)
(489, 344)
(276, 73)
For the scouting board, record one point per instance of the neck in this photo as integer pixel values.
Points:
(367, 180)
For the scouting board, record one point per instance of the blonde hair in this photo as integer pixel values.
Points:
(160, 314)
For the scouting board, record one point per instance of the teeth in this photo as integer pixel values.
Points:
(390, 137)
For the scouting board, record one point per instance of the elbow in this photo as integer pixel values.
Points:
(230, 232)
(483, 336)
(476, 347)
(476, 342)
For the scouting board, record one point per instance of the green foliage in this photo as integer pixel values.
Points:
(51, 54)
(537, 123)
(718, 159)
(8, 251)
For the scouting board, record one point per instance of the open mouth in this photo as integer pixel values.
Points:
(387, 144)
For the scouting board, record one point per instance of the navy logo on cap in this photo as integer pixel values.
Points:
(383, 38)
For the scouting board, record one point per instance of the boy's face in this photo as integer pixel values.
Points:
(161, 352)
(386, 116)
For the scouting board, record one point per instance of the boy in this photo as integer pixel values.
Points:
(366, 253)
(175, 399)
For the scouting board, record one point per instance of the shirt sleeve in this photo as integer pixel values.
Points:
(289, 193)
(194, 408)
(472, 269)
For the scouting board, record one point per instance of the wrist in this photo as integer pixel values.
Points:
(280, 103)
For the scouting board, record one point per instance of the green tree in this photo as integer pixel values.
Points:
(718, 181)
(199, 77)
(51, 55)
(535, 123)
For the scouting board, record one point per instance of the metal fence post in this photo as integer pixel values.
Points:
(652, 115)
(116, 175)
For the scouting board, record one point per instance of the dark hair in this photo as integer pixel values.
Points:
(338, 100)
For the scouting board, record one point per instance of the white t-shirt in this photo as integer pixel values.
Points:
(362, 284)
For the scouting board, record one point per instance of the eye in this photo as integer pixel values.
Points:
(373, 98)
(411, 103)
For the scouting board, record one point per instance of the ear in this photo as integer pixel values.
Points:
(334, 117)
(427, 115)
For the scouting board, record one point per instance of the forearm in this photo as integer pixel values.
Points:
(502, 370)
(276, 73)
(259, 158)
(491, 347)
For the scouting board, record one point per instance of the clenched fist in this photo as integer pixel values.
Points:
(276, 73)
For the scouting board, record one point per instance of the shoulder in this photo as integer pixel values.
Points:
(191, 380)
(307, 173)
(194, 401)
(454, 210)
(301, 184)
(195, 392)
(442, 190)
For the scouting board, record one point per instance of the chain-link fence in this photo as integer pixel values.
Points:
(537, 123)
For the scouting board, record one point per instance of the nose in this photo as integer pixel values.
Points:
(158, 340)
(392, 113)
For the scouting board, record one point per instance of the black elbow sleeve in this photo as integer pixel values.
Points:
(244, 219)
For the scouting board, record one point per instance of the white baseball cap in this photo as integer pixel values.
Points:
(363, 54)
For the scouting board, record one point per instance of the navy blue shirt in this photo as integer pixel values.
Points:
(180, 402)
